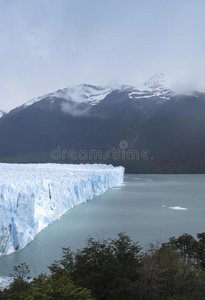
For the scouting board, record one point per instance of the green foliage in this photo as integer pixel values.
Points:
(20, 285)
(52, 287)
(109, 268)
(186, 244)
(57, 287)
(201, 249)
(116, 269)
(168, 272)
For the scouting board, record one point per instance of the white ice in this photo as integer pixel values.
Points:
(178, 208)
(5, 282)
(34, 195)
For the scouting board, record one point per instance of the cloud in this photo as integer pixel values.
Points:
(46, 45)
(75, 109)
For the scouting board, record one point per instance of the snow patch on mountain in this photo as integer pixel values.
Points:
(32, 196)
(158, 81)
(82, 93)
(157, 86)
(1, 113)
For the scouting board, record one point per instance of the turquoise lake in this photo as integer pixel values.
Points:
(140, 207)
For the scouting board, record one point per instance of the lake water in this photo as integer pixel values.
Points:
(140, 207)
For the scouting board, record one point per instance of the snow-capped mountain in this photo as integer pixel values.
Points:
(86, 95)
(148, 116)
(83, 93)
(81, 99)
(156, 86)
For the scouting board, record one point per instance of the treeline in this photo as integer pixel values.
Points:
(117, 269)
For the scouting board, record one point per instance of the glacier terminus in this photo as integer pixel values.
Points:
(32, 196)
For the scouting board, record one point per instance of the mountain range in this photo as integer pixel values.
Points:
(147, 128)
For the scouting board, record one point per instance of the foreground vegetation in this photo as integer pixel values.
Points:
(118, 269)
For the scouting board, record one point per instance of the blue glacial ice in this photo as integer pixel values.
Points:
(32, 196)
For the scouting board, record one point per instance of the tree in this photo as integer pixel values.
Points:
(20, 284)
(166, 275)
(116, 269)
(186, 244)
(109, 268)
(46, 287)
(57, 287)
(201, 249)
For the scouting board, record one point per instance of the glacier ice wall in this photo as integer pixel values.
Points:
(34, 195)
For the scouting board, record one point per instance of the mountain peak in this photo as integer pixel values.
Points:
(82, 93)
(157, 77)
(157, 86)
(158, 80)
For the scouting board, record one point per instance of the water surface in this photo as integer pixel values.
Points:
(140, 207)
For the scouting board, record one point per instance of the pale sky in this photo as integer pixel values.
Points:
(46, 45)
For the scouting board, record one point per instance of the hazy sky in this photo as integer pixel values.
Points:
(50, 44)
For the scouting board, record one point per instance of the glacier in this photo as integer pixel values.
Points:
(32, 196)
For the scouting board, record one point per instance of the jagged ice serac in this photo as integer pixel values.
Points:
(32, 196)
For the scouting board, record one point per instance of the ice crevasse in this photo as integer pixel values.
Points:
(32, 196)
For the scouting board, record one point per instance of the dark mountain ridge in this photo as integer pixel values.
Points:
(147, 128)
